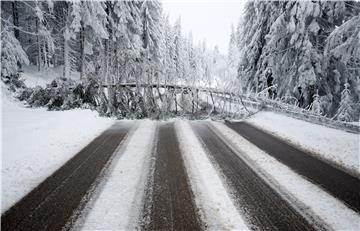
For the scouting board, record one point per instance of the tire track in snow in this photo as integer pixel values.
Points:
(169, 202)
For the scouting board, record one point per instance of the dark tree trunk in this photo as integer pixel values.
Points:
(82, 50)
(16, 24)
(15, 20)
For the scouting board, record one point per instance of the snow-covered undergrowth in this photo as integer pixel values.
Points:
(32, 77)
(336, 146)
(36, 142)
(118, 205)
(211, 196)
(310, 198)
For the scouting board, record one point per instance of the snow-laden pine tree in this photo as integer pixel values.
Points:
(345, 111)
(342, 60)
(299, 48)
(232, 59)
(316, 105)
(233, 52)
(127, 46)
(179, 55)
(169, 62)
(191, 59)
(12, 53)
(151, 34)
(89, 22)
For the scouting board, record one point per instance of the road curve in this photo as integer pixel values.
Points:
(169, 202)
(338, 183)
(50, 205)
(261, 206)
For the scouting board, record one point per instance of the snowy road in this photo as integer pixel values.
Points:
(185, 175)
(260, 204)
(52, 203)
(169, 201)
(334, 181)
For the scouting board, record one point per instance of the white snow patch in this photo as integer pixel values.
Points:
(36, 142)
(32, 77)
(340, 147)
(211, 197)
(119, 203)
(329, 209)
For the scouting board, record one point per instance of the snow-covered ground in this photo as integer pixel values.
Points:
(36, 142)
(211, 196)
(32, 77)
(311, 198)
(119, 203)
(339, 147)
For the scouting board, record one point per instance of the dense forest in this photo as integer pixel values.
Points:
(105, 42)
(305, 53)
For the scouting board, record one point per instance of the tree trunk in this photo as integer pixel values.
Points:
(15, 20)
(82, 51)
(16, 24)
(66, 73)
(38, 45)
(66, 51)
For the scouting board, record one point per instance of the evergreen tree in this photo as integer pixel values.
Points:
(345, 111)
(11, 53)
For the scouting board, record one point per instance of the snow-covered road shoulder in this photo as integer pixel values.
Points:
(335, 146)
(36, 142)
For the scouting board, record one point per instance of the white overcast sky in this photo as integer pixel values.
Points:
(206, 19)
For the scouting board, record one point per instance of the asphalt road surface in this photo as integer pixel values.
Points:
(262, 207)
(169, 202)
(50, 205)
(338, 183)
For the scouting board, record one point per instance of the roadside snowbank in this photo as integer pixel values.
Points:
(313, 199)
(118, 204)
(36, 142)
(211, 197)
(339, 147)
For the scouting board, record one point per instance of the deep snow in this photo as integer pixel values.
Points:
(36, 142)
(336, 146)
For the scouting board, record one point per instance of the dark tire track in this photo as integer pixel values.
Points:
(50, 205)
(169, 204)
(338, 183)
(262, 207)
